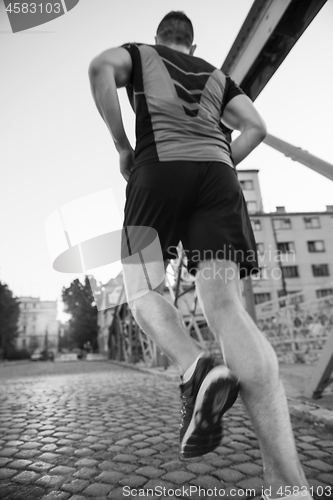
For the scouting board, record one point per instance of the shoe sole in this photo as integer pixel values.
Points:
(223, 399)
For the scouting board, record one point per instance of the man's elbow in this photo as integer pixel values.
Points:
(94, 68)
(261, 130)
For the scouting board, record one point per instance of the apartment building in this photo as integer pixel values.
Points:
(295, 250)
(37, 324)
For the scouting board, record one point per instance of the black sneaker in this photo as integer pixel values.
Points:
(210, 392)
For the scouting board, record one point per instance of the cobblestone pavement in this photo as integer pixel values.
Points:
(72, 431)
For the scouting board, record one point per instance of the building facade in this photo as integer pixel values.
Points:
(38, 325)
(295, 250)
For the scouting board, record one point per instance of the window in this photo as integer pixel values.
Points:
(248, 184)
(282, 223)
(311, 222)
(259, 298)
(24, 343)
(286, 247)
(297, 299)
(256, 224)
(252, 206)
(320, 270)
(260, 248)
(324, 292)
(261, 275)
(290, 271)
(316, 246)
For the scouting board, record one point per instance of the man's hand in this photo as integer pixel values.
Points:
(126, 162)
(107, 72)
(240, 114)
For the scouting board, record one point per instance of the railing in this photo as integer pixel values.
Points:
(297, 330)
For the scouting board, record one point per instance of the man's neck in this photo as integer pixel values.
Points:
(179, 48)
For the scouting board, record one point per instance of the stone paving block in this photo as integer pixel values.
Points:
(97, 489)
(56, 495)
(254, 453)
(162, 448)
(50, 481)
(172, 465)
(40, 466)
(155, 439)
(326, 479)
(49, 457)
(138, 437)
(109, 477)
(124, 458)
(65, 450)
(7, 473)
(62, 470)
(320, 465)
(14, 444)
(239, 457)
(178, 476)
(153, 483)
(118, 494)
(4, 461)
(308, 439)
(133, 480)
(224, 450)
(123, 442)
(251, 483)
(107, 465)
(306, 446)
(75, 437)
(86, 462)
(48, 447)
(206, 481)
(75, 486)
(150, 472)
(18, 464)
(86, 473)
(21, 492)
(199, 468)
(317, 454)
(49, 440)
(228, 475)
(145, 452)
(30, 446)
(8, 452)
(26, 477)
(26, 454)
(249, 469)
(83, 452)
(152, 433)
(141, 444)
(125, 467)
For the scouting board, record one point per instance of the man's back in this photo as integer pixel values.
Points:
(178, 100)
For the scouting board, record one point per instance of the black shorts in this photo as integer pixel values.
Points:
(200, 204)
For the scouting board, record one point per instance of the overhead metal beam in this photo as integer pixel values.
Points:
(269, 32)
(298, 154)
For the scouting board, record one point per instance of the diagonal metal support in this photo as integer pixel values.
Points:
(322, 375)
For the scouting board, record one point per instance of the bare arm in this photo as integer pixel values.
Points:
(240, 114)
(107, 72)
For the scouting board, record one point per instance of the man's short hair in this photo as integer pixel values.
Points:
(176, 28)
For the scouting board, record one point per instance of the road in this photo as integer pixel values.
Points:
(72, 431)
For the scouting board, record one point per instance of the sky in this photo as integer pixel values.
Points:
(55, 149)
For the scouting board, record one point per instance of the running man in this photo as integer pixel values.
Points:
(182, 182)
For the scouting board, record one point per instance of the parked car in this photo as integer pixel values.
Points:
(42, 355)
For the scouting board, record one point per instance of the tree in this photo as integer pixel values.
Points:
(79, 302)
(9, 316)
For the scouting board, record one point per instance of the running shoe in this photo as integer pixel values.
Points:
(210, 392)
